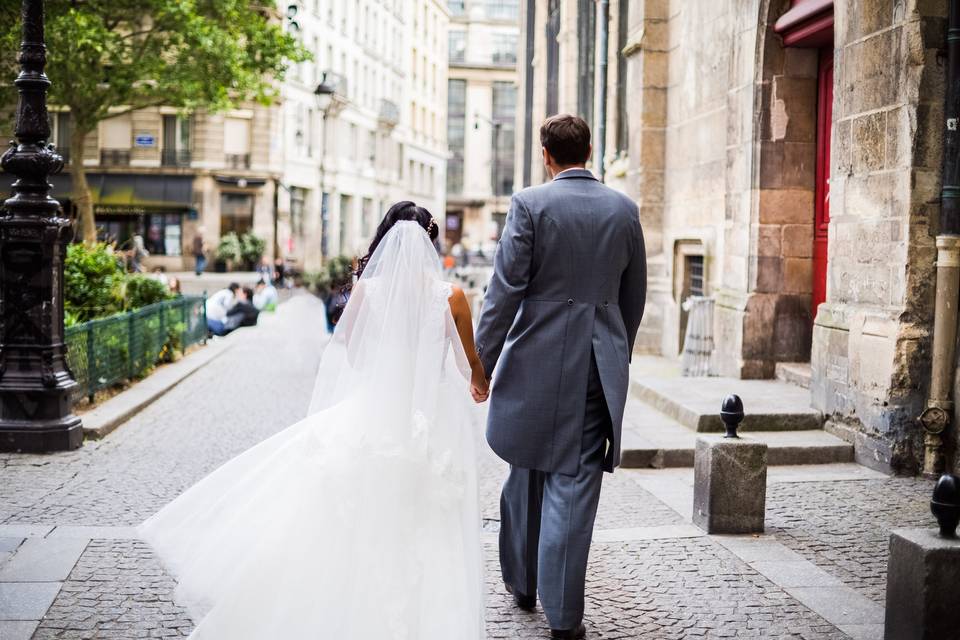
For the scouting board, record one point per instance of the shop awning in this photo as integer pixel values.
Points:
(128, 193)
(808, 23)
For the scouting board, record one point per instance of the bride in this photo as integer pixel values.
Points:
(362, 520)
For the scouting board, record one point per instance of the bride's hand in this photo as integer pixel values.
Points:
(479, 385)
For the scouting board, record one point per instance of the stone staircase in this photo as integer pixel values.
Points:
(665, 413)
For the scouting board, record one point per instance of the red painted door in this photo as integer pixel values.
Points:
(822, 203)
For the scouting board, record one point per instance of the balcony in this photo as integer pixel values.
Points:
(175, 157)
(389, 114)
(114, 157)
(237, 160)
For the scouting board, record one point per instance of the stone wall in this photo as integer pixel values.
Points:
(871, 338)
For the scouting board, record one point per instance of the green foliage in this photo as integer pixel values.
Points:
(340, 270)
(252, 248)
(337, 273)
(230, 249)
(140, 53)
(141, 290)
(93, 280)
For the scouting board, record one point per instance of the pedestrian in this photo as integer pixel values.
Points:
(217, 307)
(265, 296)
(264, 270)
(279, 271)
(449, 262)
(361, 521)
(137, 253)
(557, 328)
(199, 252)
(243, 313)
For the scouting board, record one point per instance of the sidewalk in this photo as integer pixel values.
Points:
(71, 568)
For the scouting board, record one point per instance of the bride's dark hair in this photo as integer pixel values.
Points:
(401, 211)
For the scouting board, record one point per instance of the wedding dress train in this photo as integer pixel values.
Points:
(361, 521)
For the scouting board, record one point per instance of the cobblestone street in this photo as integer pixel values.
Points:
(818, 573)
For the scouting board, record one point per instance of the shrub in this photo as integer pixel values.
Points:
(337, 273)
(229, 249)
(140, 290)
(252, 248)
(93, 282)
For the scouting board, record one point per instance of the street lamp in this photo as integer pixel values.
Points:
(35, 382)
(496, 149)
(330, 99)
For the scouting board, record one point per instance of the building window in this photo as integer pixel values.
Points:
(504, 49)
(60, 124)
(501, 9)
(457, 7)
(298, 198)
(176, 142)
(163, 235)
(236, 213)
(456, 125)
(236, 142)
(504, 113)
(587, 29)
(458, 47)
(366, 222)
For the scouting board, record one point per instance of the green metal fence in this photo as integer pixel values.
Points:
(125, 346)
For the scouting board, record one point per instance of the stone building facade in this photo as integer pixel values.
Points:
(481, 115)
(312, 180)
(786, 157)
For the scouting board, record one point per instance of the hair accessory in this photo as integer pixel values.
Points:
(433, 225)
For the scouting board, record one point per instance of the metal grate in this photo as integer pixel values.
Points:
(695, 273)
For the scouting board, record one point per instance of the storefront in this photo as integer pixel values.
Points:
(153, 206)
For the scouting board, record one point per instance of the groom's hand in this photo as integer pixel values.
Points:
(479, 385)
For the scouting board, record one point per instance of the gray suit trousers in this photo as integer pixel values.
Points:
(546, 520)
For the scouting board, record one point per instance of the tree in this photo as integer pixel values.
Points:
(109, 57)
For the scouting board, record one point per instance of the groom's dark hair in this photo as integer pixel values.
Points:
(566, 138)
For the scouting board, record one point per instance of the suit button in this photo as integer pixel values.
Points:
(570, 302)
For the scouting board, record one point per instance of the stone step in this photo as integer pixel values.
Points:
(769, 405)
(796, 373)
(652, 439)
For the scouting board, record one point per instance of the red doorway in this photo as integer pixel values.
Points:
(822, 196)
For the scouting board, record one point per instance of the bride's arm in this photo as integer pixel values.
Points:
(460, 308)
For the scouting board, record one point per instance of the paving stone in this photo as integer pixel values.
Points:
(43, 560)
(17, 630)
(26, 600)
(844, 526)
(10, 544)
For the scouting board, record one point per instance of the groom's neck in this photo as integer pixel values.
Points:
(555, 170)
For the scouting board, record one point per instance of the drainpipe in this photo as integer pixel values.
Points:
(939, 412)
(603, 20)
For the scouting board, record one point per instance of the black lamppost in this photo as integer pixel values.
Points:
(35, 383)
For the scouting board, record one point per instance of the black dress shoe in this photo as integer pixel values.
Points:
(527, 603)
(569, 634)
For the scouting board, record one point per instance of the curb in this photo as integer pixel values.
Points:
(104, 419)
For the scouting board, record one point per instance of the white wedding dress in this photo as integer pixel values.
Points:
(361, 521)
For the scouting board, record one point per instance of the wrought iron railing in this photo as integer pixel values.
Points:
(175, 157)
(126, 346)
(238, 160)
(114, 157)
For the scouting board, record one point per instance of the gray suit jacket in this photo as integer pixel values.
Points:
(570, 279)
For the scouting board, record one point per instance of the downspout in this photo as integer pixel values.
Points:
(603, 23)
(939, 412)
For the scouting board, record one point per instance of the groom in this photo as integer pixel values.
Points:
(556, 331)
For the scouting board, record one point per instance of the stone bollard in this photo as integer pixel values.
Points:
(729, 478)
(923, 573)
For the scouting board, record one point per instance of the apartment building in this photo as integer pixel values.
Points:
(357, 128)
(481, 108)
